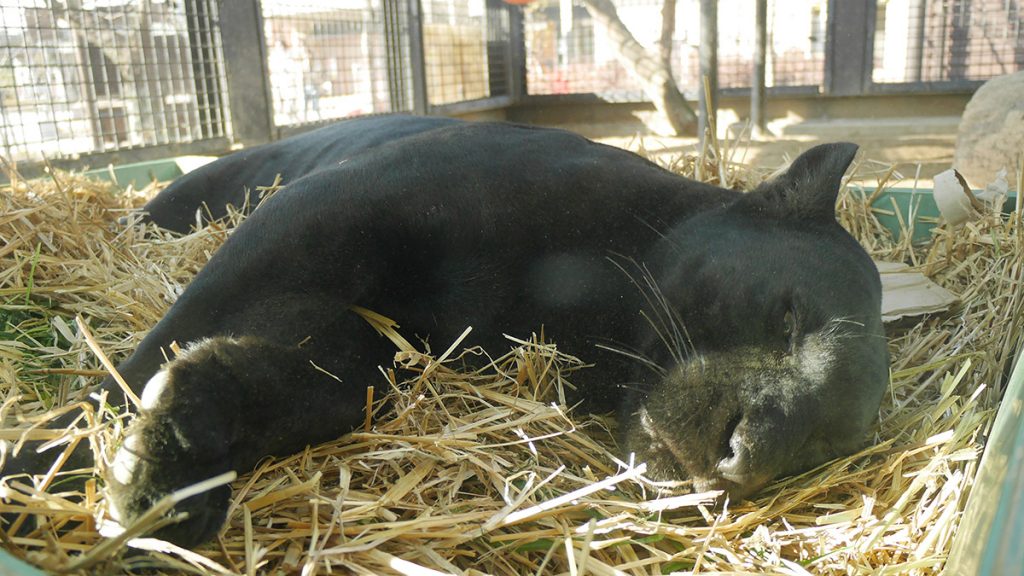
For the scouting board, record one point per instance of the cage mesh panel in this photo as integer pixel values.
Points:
(108, 76)
(796, 43)
(570, 54)
(331, 59)
(946, 40)
(460, 39)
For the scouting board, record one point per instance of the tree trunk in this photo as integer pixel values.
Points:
(652, 71)
(668, 30)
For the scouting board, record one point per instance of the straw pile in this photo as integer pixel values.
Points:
(483, 472)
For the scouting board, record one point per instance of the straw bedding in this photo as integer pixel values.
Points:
(485, 471)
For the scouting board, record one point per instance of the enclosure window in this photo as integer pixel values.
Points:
(335, 59)
(567, 52)
(456, 44)
(946, 40)
(104, 76)
(106, 80)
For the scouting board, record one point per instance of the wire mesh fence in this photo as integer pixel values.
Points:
(103, 76)
(340, 58)
(920, 41)
(569, 53)
(796, 43)
(466, 46)
(329, 59)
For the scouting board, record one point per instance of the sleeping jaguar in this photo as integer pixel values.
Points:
(737, 336)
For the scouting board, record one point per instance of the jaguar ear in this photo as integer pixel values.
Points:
(809, 187)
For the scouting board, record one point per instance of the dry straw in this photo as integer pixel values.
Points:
(483, 471)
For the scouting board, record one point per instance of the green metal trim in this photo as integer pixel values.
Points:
(989, 539)
(138, 174)
(11, 566)
(916, 209)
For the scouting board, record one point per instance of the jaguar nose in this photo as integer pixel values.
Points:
(739, 468)
(736, 467)
(734, 456)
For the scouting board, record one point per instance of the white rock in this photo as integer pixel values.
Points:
(991, 133)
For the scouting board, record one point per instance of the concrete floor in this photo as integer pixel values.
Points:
(919, 147)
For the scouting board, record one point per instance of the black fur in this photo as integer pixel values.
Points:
(233, 180)
(769, 348)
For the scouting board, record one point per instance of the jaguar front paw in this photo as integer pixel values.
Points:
(185, 433)
(221, 406)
